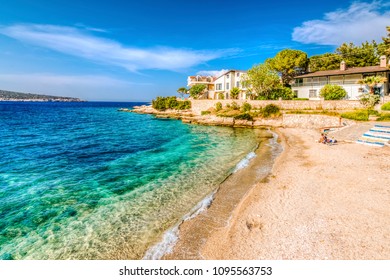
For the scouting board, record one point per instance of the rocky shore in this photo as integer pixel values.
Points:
(285, 120)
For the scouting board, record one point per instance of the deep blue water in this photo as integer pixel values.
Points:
(84, 181)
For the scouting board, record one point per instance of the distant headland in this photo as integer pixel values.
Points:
(18, 96)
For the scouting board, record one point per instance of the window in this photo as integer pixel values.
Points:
(238, 84)
(227, 86)
(227, 76)
(312, 93)
(218, 87)
(238, 74)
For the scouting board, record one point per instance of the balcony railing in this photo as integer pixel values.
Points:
(322, 83)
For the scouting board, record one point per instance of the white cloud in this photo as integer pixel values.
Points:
(78, 42)
(359, 23)
(212, 73)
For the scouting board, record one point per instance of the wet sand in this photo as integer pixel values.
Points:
(319, 202)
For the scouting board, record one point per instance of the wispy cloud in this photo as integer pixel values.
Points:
(81, 42)
(360, 22)
(212, 73)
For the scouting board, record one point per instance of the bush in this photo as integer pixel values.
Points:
(244, 116)
(164, 103)
(386, 107)
(221, 95)
(300, 98)
(183, 105)
(235, 106)
(270, 109)
(285, 93)
(246, 107)
(384, 117)
(333, 92)
(205, 113)
(358, 115)
(218, 106)
(369, 100)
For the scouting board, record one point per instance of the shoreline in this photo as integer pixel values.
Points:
(192, 231)
(310, 205)
(319, 202)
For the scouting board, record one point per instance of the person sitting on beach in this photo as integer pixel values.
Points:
(322, 138)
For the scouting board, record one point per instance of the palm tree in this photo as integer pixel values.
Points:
(182, 91)
(372, 82)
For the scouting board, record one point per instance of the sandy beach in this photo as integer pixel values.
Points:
(319, 202)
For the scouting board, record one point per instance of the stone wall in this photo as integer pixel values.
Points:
(203, 105)
(311, 121)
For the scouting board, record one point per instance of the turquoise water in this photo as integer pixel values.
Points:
(84, 181)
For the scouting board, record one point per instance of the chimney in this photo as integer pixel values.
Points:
(383, 61)
(343, 66)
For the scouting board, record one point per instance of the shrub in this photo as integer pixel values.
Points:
(221, 95)
(270, 109)
(384, 117)
(386, 107)
(164, 103)
(369, 100)
(285, 93)
(234, 92)
(333, 92)
(235, 106)
(218, 106)
(205, 113)
(183, 105)
(246, 107)
(357, 115)
(300, 98)
(244, 116)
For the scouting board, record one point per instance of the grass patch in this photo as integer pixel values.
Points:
(357, 115)
(322, 112)
(386, 107)
(203, 113)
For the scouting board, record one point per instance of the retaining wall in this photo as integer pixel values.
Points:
(203, 105)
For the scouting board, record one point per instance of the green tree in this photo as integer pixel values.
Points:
(372, 82)
(289, 63)
(384, 47)
(181, 91)
(333, 92)
(197, 90)
(234, 92)
(262, 81)
(367, 54)
(359, 56)
(326, 61)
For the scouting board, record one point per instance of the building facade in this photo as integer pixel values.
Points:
(309, 85)
(220, 87)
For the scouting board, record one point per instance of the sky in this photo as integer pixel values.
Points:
(115, 50)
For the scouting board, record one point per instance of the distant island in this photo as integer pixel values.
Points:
(6, 95)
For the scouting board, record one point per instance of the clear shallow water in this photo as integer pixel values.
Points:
(83, 181)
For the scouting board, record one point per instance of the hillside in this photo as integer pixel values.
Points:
(6, 95)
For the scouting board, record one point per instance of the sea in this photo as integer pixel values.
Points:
(83, 180)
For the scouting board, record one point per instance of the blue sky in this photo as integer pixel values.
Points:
(136, 50)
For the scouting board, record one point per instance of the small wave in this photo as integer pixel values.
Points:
(171, 236)
(244, 162)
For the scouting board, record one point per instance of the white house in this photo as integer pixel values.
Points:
(309, 85)
(220, 87)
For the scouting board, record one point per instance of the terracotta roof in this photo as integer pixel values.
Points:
(355, 70)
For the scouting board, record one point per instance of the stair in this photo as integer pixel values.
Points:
(377, 136)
